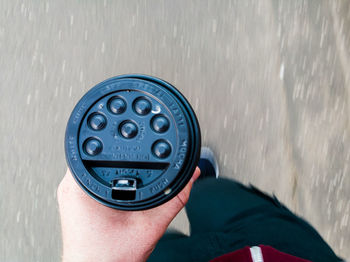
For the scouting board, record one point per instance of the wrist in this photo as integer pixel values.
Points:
(92, 255)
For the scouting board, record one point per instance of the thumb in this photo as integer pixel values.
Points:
(184, 195)
(171, 208)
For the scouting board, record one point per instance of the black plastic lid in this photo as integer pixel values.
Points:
(132, 142)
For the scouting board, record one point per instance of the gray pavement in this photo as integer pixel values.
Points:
(269, 80)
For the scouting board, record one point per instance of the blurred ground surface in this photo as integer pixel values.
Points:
(269, 80)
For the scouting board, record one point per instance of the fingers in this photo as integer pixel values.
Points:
(62, 187)
(68, 186)
(185, 193)
(172, 208)
(196, 174)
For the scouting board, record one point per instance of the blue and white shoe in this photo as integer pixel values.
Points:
(208, 164)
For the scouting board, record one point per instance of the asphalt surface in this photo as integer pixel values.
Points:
(269, 80)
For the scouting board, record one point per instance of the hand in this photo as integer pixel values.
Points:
(93, 232)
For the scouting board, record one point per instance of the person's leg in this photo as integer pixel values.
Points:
(214, 202)
(206, 244)
(201, 247)
(247, 216)
(168, 246)
(225, 216)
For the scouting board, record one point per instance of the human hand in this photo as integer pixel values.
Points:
(93, 232)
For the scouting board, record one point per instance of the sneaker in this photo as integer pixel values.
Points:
(208, 164)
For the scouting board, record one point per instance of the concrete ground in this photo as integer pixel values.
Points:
(269, 80)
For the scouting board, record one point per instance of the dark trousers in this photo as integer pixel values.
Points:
(226, 216)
